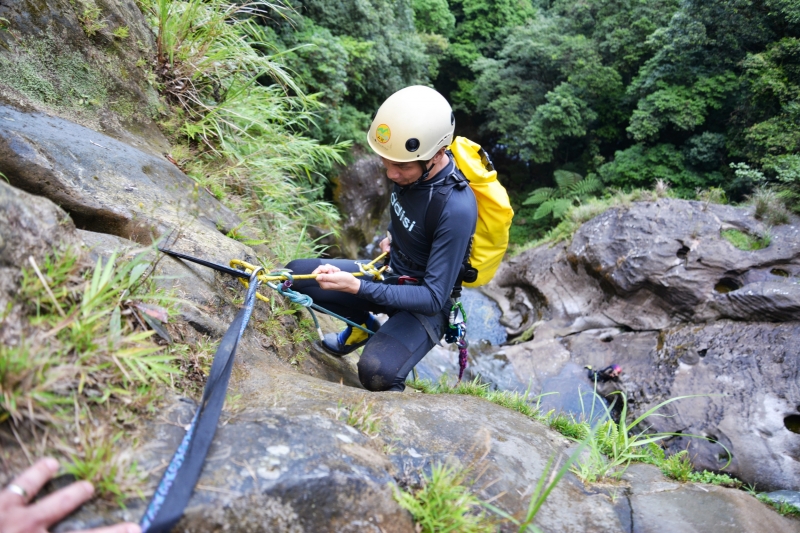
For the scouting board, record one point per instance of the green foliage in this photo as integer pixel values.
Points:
(710, 478)
(445, 503)
(433, 16)
(121, 32)
(569, 427)
(353, 54)
(572, 189)
(641, 166)
(745, 241)
(238, 105)
(639, 91)
(677, 466)
(679, 107)
(90, 18)
(481, 26)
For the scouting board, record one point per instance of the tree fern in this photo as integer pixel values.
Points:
(539, 195)
(566, 179)
(572, 189)
(585, 187)
(545, 209)
(561, 206)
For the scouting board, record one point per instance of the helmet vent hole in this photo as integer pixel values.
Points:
(412, 145)
(452, 119)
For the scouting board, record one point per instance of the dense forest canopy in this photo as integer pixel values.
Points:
(701, 94)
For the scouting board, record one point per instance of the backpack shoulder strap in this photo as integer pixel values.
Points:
(456, 180)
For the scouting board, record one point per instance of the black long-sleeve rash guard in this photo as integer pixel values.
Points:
(442, 259)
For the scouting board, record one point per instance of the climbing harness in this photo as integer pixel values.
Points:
(457, 333)
(179, 479)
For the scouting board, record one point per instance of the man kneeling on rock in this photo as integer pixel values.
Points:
(410, 132)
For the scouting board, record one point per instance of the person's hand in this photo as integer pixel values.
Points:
(336, 280)
(16, 516)
(386, 245)
(326, 269)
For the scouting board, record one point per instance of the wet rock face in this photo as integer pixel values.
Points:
(54, 59)
(107, 186)
(362, 191)
(656, 289)
(30, 226)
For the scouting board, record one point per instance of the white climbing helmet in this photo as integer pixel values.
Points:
(412, 125)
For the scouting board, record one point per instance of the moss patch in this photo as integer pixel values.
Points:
(745, 241)
(47, 73)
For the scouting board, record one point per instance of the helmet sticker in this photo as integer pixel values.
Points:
(383, 133)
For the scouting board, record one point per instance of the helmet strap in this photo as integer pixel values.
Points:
(425, 171)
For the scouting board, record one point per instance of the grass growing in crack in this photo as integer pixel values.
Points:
(512, 400)
(614, 445)
(362, 417)
(783, 507)
(444, 502)
(84, 355)
(745, 241)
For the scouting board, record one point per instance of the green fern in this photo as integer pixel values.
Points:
(540, 195)
(586, 187)
(565, 179)
(572, 189)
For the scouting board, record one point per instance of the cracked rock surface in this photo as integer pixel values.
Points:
(655, 288)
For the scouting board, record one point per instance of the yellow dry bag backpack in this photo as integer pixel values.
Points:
(490, 241)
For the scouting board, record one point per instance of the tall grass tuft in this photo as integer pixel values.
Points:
(84, 353)
(244, 118)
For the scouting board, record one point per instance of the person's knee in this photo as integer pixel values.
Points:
(372, 374)
(301, 265)
(380, 363)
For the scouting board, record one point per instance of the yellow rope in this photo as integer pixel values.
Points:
(365, 270)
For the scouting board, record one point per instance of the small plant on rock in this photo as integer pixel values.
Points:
(677, 466)
(91, 21)
(723, 480)
(613, 446)
(121, 32)
(769, 206)
(444, 502)
(362, 417)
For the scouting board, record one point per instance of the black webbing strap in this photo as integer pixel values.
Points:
(434, 213)
(439, 200)
(177, 484)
